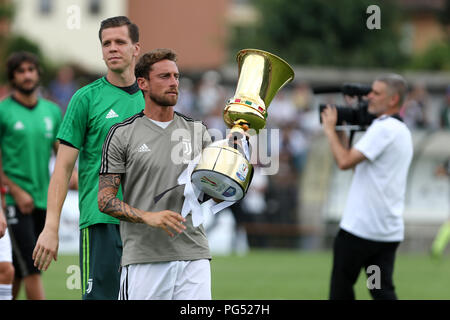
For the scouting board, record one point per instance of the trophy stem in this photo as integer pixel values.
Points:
(240, 126)
(236, 135)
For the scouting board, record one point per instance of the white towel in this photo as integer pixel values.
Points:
(192, 194)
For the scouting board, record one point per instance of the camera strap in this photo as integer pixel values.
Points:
(397, 116)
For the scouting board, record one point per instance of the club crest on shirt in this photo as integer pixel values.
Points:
(48, 127)
(48, 124)
(187, 150)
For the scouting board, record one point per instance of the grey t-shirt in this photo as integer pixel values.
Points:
(150, 160)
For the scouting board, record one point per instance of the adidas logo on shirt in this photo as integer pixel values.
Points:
(144, 148)
(111, 114)
(19, 126)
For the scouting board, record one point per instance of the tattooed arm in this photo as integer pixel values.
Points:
(109, 203)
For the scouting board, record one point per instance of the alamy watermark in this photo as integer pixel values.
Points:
(73, 21)
(374, 20)
(73, 281)
(373, 277)
(264, 146)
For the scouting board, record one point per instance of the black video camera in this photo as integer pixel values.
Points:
(356, 116)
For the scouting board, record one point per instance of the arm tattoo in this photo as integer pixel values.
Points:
(108, 203)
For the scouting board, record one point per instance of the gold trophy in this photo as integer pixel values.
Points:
(224, 171)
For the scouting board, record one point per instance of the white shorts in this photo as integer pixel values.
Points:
(174, 280)
(5, 248)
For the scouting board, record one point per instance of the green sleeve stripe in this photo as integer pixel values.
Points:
(82, 260)
(87, 258)
(83, 271)
(85, 253)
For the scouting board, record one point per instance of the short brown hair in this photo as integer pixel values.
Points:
(17, 58)
(119, 21)
(144, 65)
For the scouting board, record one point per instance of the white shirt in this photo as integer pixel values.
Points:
(375, 203)
(162, 124)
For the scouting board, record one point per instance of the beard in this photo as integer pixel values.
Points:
(25, 90)
(164, 101)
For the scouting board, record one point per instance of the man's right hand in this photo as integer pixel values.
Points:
(165, 219)
(46, 249)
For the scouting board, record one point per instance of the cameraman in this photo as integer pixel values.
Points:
(372, 225)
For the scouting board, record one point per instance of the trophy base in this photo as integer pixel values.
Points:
(223, 173)
(218, 185)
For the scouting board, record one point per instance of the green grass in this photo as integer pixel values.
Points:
(288, 275)
(306, 275)
(55, 280)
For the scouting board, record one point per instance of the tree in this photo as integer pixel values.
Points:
(6, 14)
(10, 43)
(437, 56)
(323, 32)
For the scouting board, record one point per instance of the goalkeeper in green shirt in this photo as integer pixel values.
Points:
(91, 112)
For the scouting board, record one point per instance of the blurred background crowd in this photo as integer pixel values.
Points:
(327, 43)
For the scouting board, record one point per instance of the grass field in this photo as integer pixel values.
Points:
(287, 275)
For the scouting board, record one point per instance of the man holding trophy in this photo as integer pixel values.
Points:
(165, 253)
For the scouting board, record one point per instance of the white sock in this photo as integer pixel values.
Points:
(5, 291)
